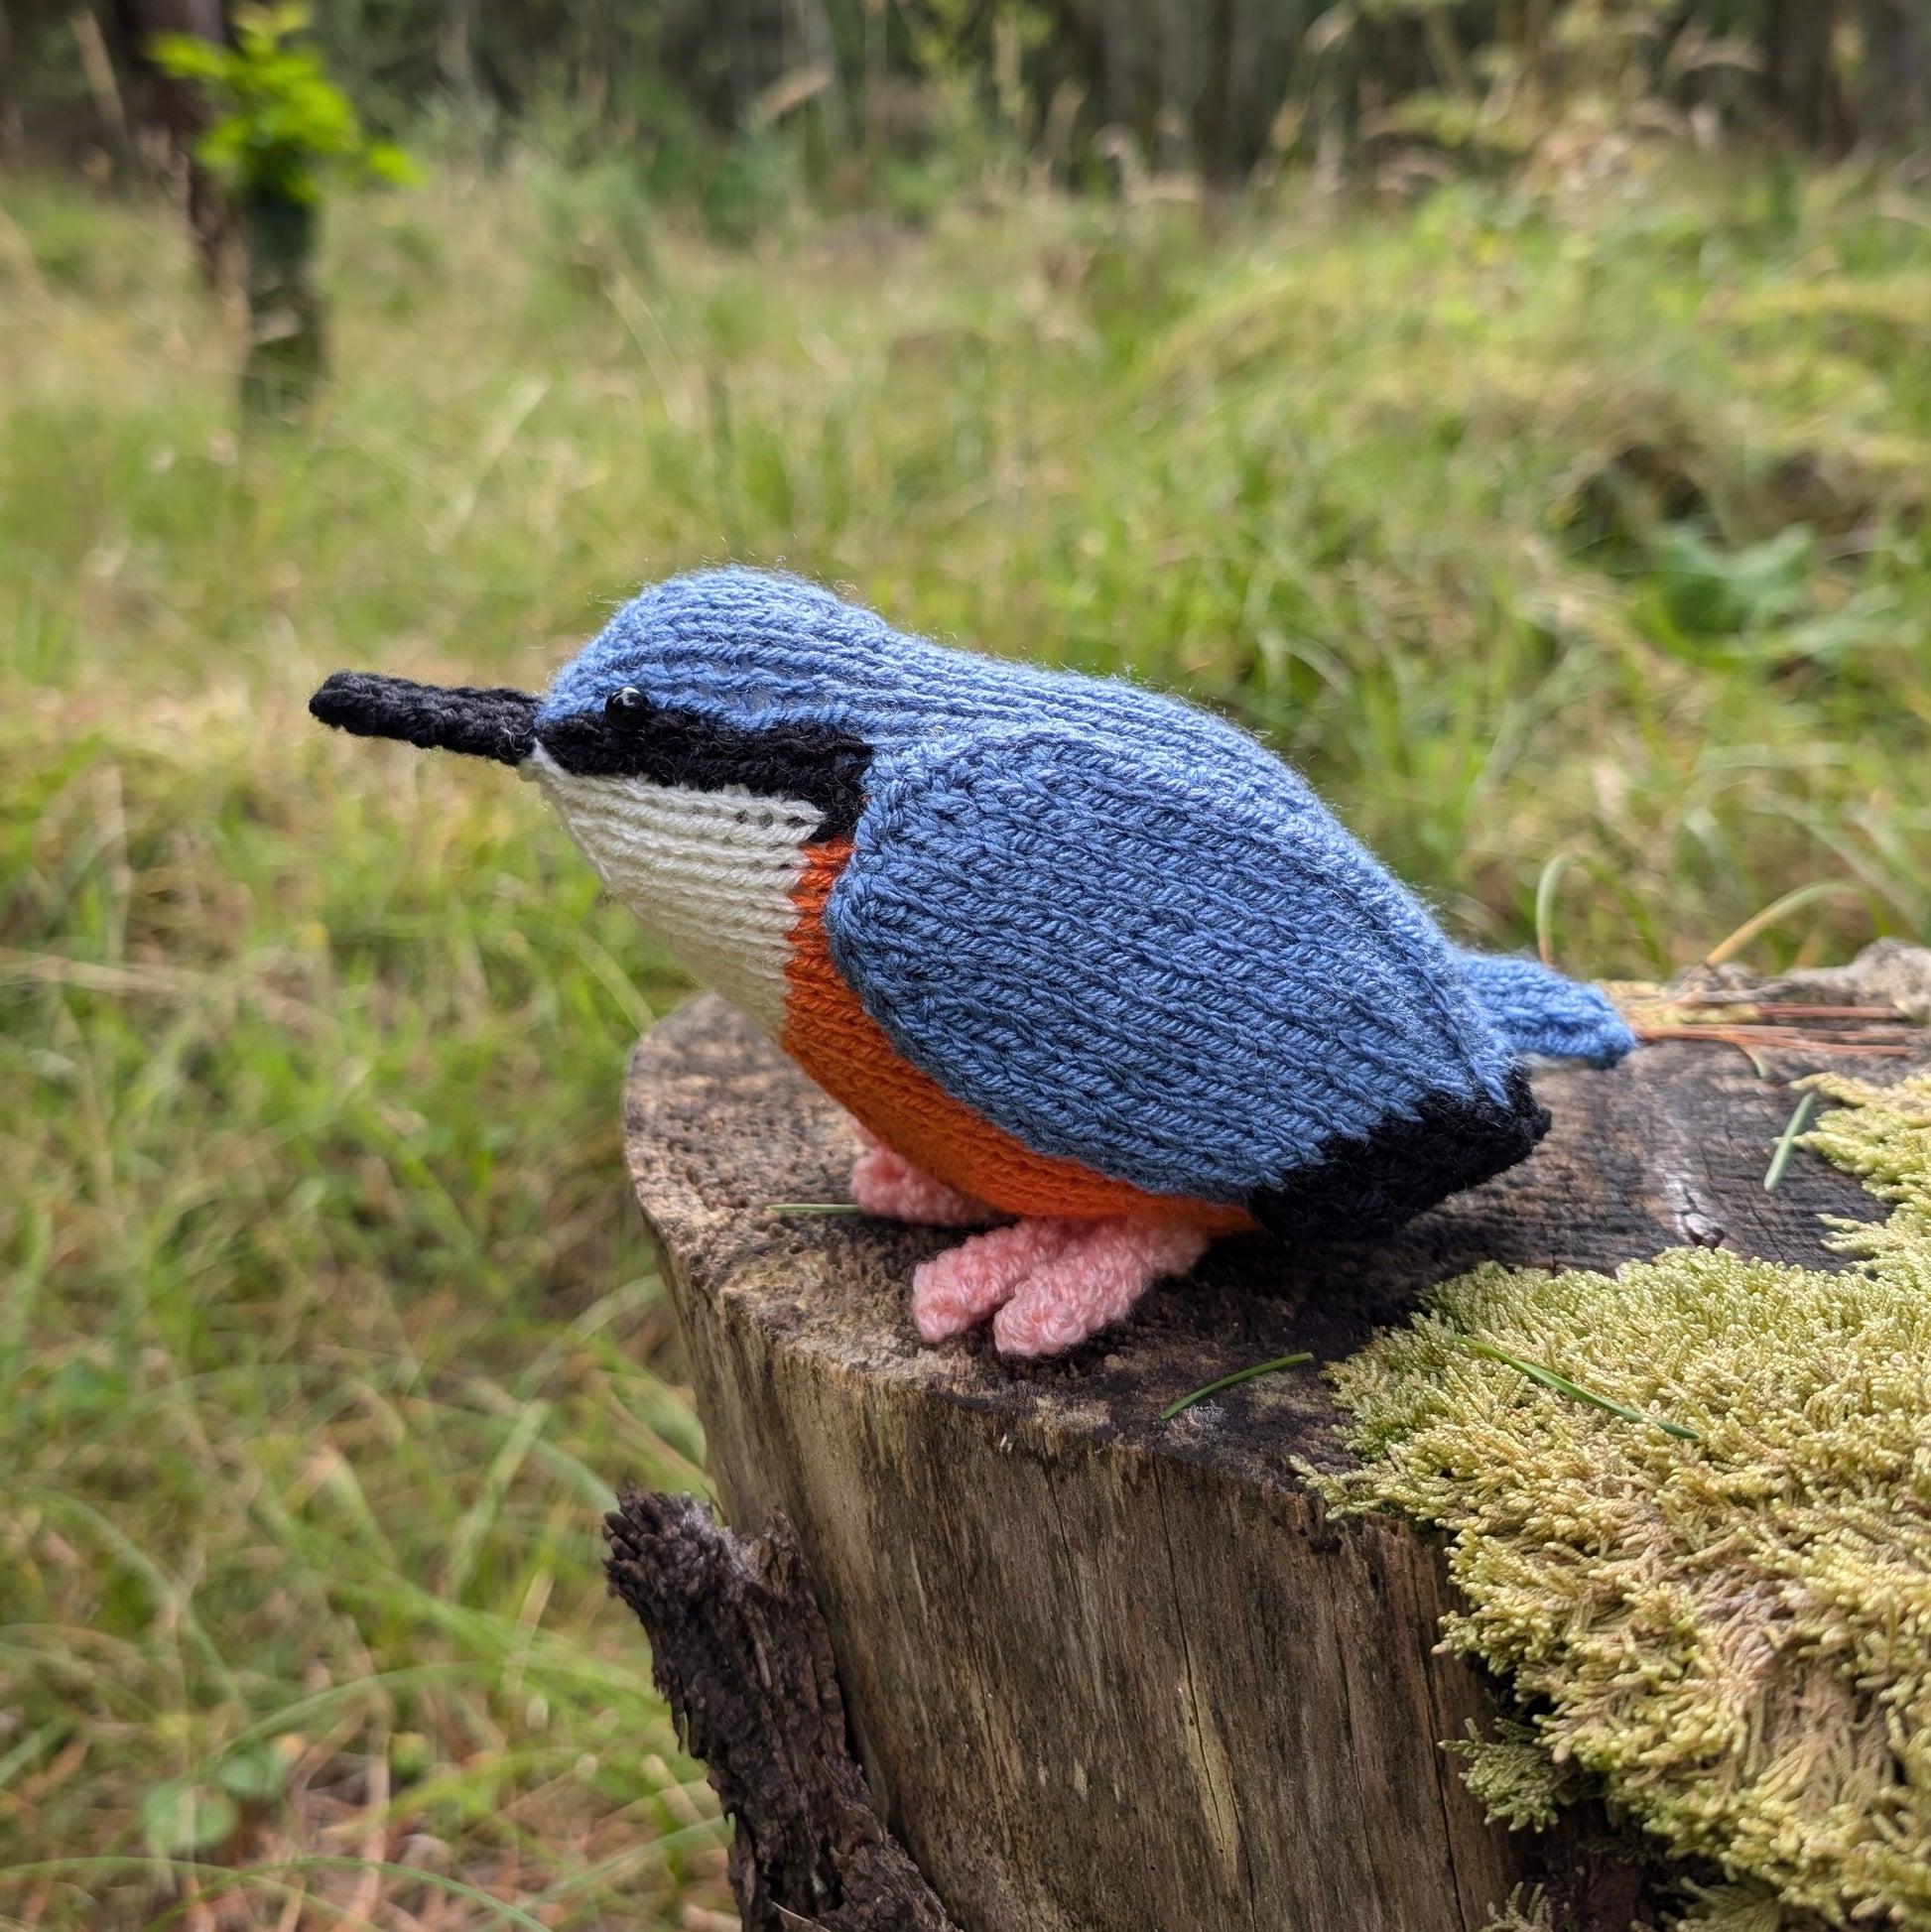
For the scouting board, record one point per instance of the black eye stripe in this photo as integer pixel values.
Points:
(813, 762)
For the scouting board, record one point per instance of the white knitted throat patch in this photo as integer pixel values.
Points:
(710, 874)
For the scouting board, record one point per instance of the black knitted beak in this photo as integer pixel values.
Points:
(497, 724)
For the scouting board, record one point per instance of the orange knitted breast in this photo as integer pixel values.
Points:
(846, 1051)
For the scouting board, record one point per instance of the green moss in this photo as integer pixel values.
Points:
(1528, 1910)
(1512, 1774)
(1734, 1636)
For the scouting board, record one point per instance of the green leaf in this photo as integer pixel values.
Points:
(256, 1774)
(281, 119)
(411, 1757)
(81, 1388)
(386, 162)
(177, 1818)
(1710, 592)
(186, 57)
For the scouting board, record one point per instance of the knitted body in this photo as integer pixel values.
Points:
(1067, 950)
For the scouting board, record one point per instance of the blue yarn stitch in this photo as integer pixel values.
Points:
(751, 648)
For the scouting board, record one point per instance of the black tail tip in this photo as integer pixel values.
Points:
(1364, 1190)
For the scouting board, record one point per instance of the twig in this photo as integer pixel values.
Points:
(1718, 1036)
(1773, 1010)
(1747, 1039)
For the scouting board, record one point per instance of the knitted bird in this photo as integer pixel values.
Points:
(1091, 970)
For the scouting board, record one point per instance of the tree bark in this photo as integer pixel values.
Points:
(1173, 125)
(1241, 116)
(288, 349)
(1800, 79)
(741, 1653)
(460, 48)
(1119, 48)
(1104, 1669)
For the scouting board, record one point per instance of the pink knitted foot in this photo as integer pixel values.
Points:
(888, 1185)
(1097, 1273)
(959, 1289)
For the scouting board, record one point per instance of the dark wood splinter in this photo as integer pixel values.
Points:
(740, 1651)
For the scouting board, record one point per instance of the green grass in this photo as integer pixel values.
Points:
(327, 1323)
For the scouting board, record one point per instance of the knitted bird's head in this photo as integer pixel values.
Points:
(732, 682)
(694, 686)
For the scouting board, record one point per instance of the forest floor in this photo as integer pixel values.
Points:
(1587, 522)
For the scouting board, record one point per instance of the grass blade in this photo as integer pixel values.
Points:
(1576, 1392)
(1787, 1144)
(1228, 1381)
(813, 1208)
(1805, 895)
(1545, 908)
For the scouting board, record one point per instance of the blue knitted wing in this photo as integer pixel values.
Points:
(1182, 976)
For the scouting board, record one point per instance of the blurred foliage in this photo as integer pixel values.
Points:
(898, 105)
(276, 126)
(280, 122)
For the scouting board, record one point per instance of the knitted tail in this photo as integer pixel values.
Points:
(1540, 1012)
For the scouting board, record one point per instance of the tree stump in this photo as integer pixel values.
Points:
(1104, 1670)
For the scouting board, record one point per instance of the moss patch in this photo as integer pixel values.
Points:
(1732, 1634)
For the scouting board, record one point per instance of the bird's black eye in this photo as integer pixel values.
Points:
(627, 708)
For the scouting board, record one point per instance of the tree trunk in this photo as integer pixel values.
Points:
(1173, 125)
(177, 112)
(753, 31)
(456, 53)
(10, 134)
(1106, 1670)
(1896, 94)
(1241, 116)
(1118, 49)
(1800, 79)
(286, 347)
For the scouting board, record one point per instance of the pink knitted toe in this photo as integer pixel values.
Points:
(1096, 1275)
(887, 1185)
(959, 1289)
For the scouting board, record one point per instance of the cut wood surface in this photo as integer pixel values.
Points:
(1106, 1670)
